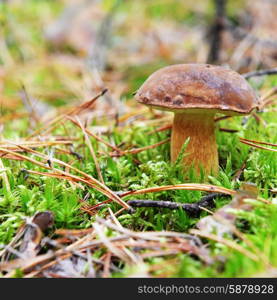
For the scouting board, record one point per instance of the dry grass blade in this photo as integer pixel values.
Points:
(73, 232)
(94, 135)
(106, 271)
(113, 218)
(34, 144)
(124, 231)
(269, 102)
(158, 240)
(241, 169)
(270, 93)
(99, 230)
(73, 111)
(227, 243)
(15, 116)
(12, 243)
(25, 265)
(267, 97)
(62, 175)
(23, 157)
(4, 175)
(160, 253)
(91, 151)
(26, 243)
(46, 266)
(66, 176)
(131, 114)
(87, 105)
(91, 209)
(147, 235)
(243, 237)
(88, 179)
(120, 246)
(8, 143)
(135, 258)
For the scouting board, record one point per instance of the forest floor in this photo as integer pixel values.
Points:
(73, 154)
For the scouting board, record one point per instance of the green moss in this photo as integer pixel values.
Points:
(31, 193)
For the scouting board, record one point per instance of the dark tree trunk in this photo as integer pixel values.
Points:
(216, 31)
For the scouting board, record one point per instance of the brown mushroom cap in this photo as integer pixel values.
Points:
(198, 86)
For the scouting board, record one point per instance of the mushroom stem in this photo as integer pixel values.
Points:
(202, 149)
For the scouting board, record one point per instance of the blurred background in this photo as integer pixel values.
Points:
(65, 51)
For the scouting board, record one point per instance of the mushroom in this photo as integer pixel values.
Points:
(195, 93)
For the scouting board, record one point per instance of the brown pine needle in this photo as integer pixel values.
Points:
(14, 116)
(25, 265)
(23, 157)
(107, 262)
(94, 135)
(98, 228)
(266, 98)
(217, 119)
(91, 208)
(34, 144)
(52, 124)
(206, 210)
(258, 118)
(227, 243)
(269, 102)
(228, 130)
(91, 150)
(73, 232)
(242, 236)
(89, 179)
(253, 144)
(73, 111)
(137, 150)
(264, 200)
(185, 186)
(50, 129)
(258, 142)
(87, 105)
(59, 175)
(131, 114)
(163, 128)
(107, 192)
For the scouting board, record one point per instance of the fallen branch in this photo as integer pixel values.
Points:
(260, 73)
(193, 209)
